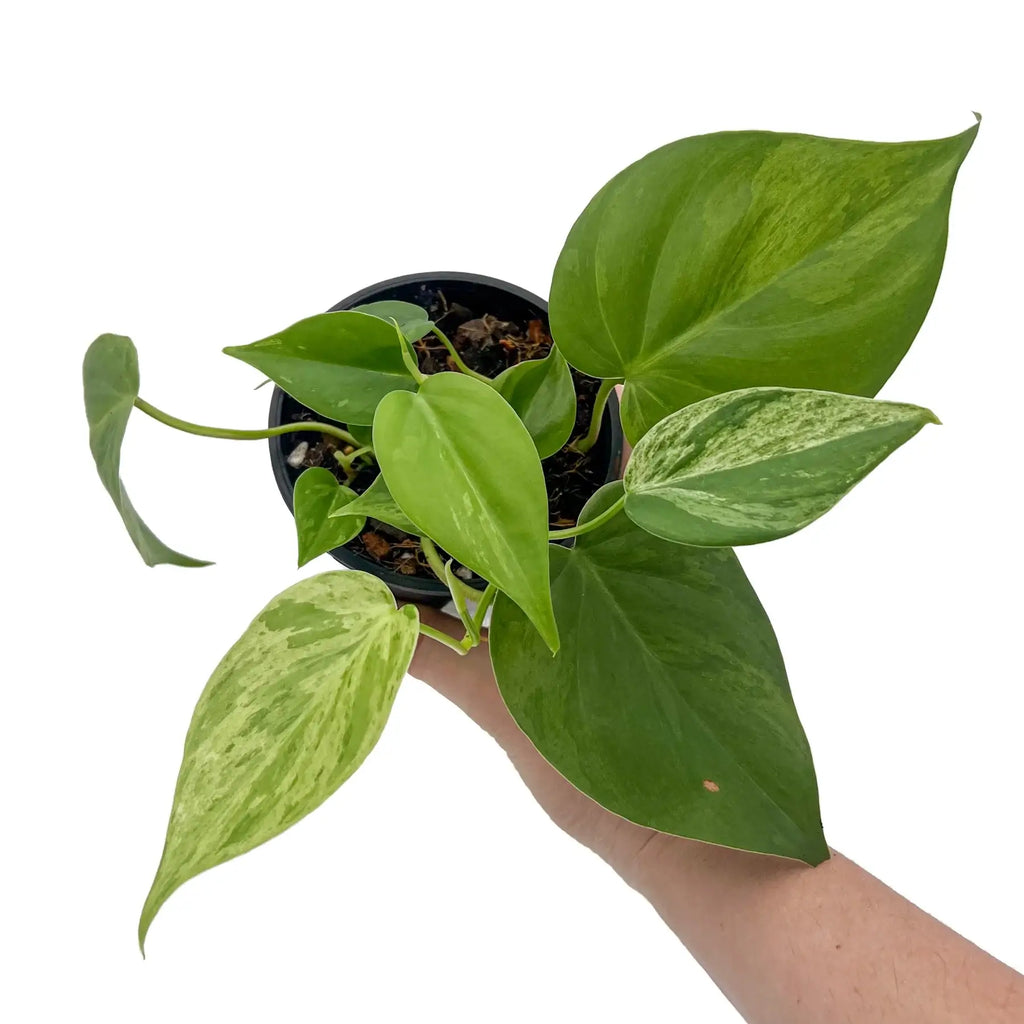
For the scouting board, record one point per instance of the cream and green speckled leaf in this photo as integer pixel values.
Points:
(460, 463)
(376, 503)
(542, 393)
(321, 520)
(287, 716)
(746, 259)
(110, 375)
(753, 465)
(340, 365)
(668, 701)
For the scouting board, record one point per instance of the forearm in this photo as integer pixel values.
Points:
(788, 944)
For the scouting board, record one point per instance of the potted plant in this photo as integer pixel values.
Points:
(751, 291)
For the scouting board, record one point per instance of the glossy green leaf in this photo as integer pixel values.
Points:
(340, 365)
(753, 465)
(745, 259)
(110, 375)
(460, 463)
(321, 522)
(287, 716)
(412, 320)
(668, 702)
(542, 393)
(376, 503)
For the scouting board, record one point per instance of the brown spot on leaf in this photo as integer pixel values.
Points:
(711, 787)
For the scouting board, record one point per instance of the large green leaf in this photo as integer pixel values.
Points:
(287, 716)
(322, 521)
(340, 365)
(542, 393)
(744, 259)
(752, 465)
(376, 503)
(668, 701)
(461, 465)
(110, 375)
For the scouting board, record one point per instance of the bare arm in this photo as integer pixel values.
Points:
(787, 944)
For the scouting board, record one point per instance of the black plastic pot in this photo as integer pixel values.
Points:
(479, 295)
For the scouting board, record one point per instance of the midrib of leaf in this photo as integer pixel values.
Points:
(710, 475)
(705, 323)
(728, 751)
(467, 477)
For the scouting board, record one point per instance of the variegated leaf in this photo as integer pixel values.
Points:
(321, 520)
(753, 465)
(340, 364)
(287, 716)
(110, 375)
(747, 259)
(376, 503)
(542, 393)
(668, 701)
(460, 463)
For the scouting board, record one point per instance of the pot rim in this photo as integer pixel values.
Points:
(418, 588)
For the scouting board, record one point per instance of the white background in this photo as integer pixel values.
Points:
(198, 175)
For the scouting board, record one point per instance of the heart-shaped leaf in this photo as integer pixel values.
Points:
(668, 702)
(287, 716)
(321, 521)
(542, 393)
(376, 503)
(753, 465)
(110, 375)
(745, 259)
(461, 465)
(340, 365)
(412, 320)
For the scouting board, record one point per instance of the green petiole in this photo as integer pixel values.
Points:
(244, 435)
(585, 443)
(592, 524)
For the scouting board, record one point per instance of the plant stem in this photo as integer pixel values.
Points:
(456, 358)
(243, 435)
(591, 524)
(408, 356)
(444, 638)
(585, 443)
(345, 461)
(485, 602)
(433, 557)
(455, 588)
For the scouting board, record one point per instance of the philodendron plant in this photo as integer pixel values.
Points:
(751, 291)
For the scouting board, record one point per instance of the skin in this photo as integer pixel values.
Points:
(786, 943)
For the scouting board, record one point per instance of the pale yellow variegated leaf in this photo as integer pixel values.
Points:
(287, 716)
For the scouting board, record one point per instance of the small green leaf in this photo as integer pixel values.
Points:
(753, 465)
(668, 701)
(376, 503)
(110, 375)
(287, 716)
(412, 320)
(542, 393)
(321, 520)
(747, 259)
(340, 365)
(460, 463)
